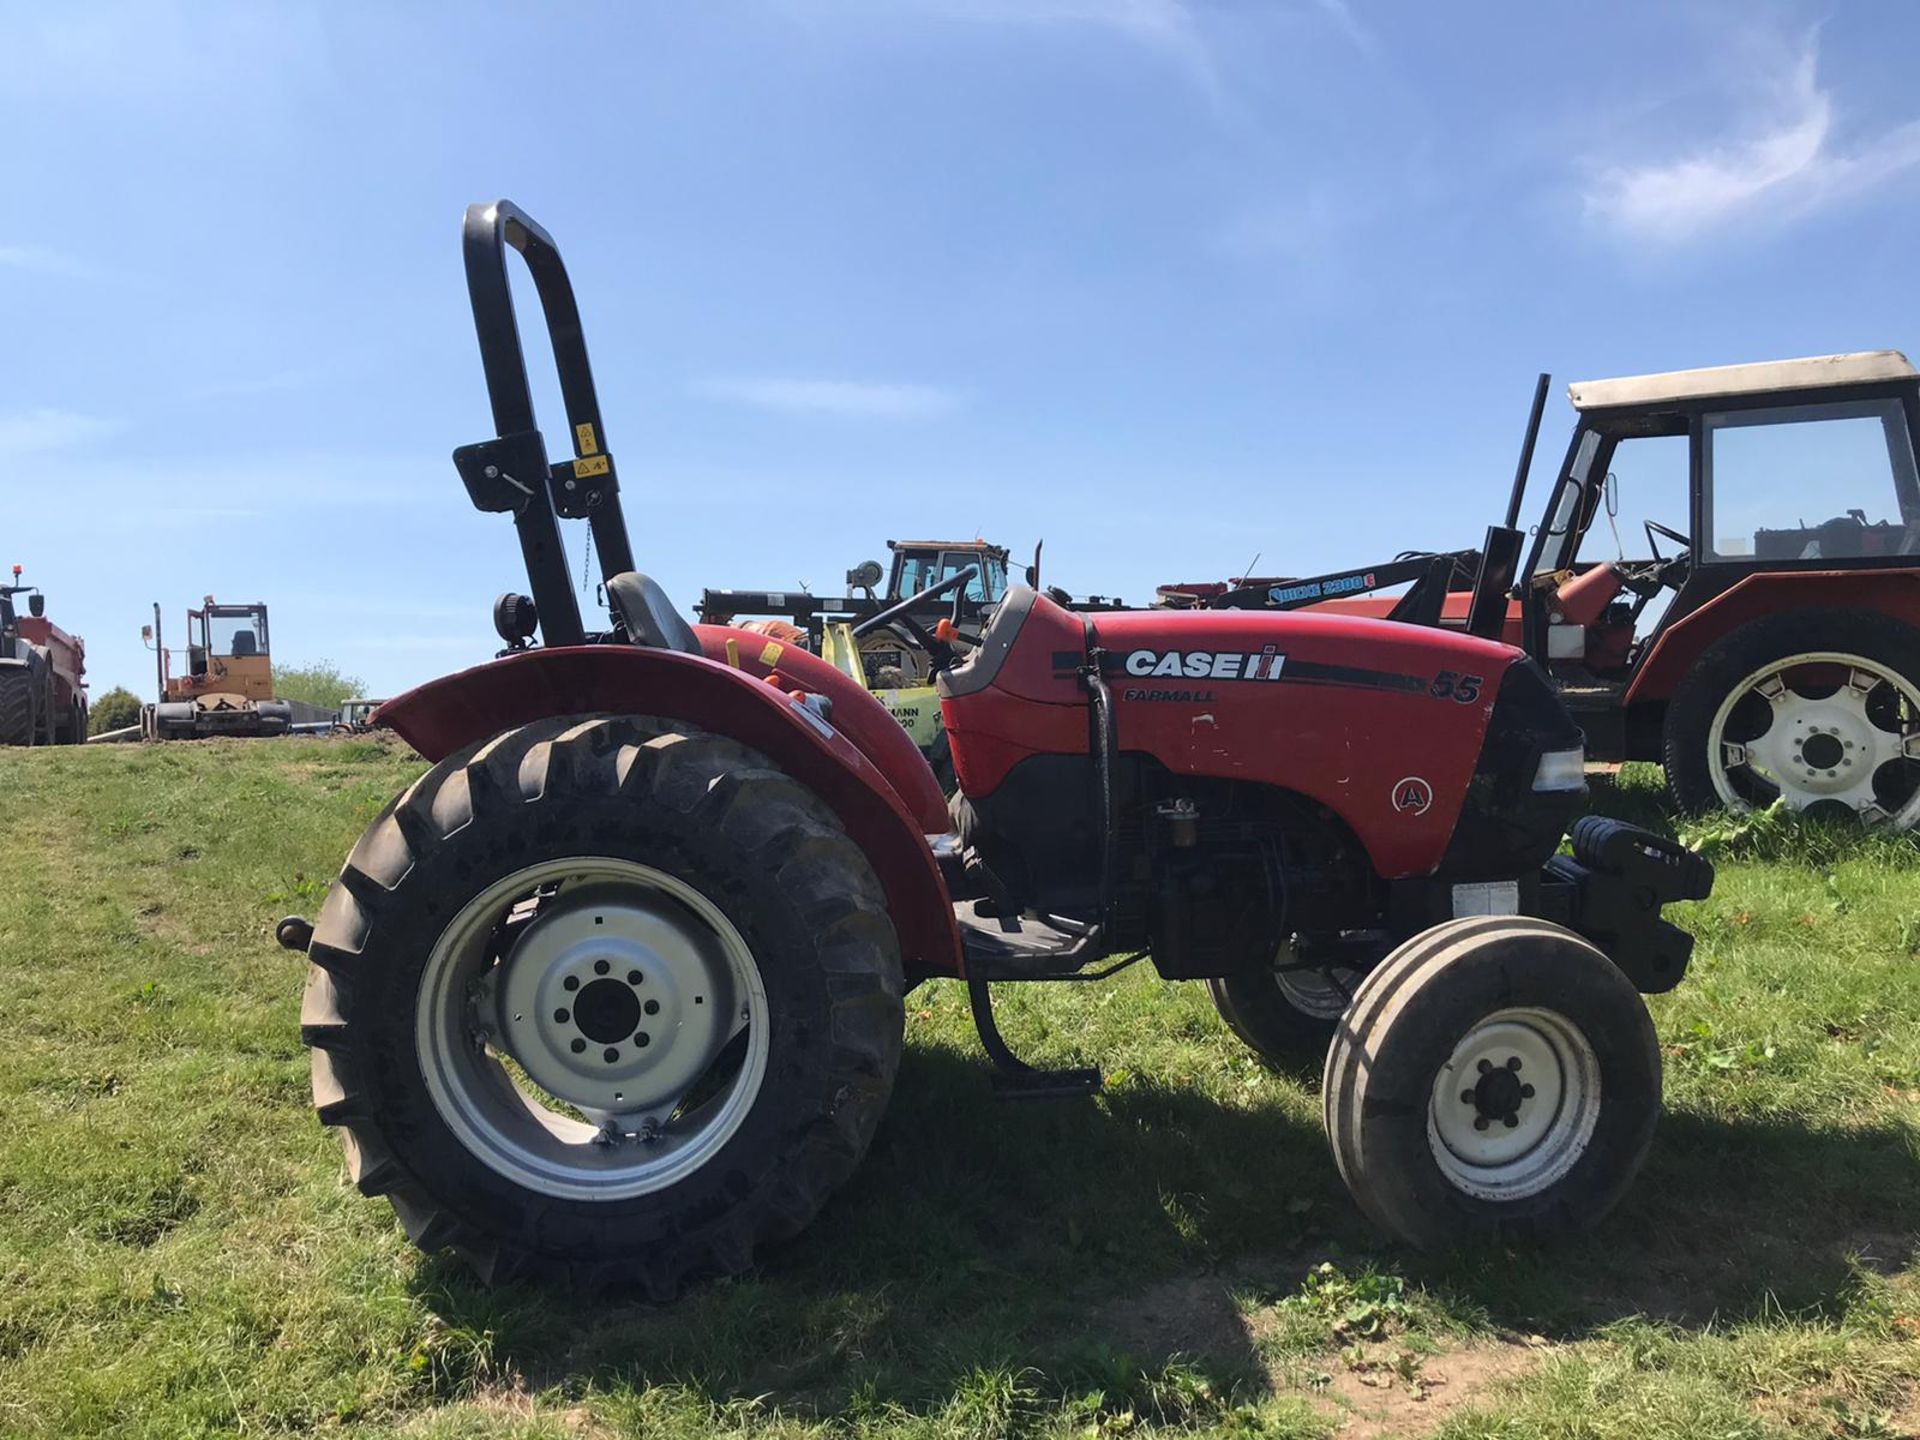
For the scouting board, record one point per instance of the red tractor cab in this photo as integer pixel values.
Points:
(1725, 579)
(612, 995)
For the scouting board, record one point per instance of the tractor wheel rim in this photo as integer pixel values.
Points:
(1515, 1106)
(1854, 744)
(592, 1028)
(1322, 994)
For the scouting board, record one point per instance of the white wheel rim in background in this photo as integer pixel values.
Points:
(1824, 750)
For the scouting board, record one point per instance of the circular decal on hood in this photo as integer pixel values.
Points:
(1413, 796)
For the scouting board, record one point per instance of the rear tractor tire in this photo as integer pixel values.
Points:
(605, 1001)
(1496, 1077)
(1817, 708)
(1286, 1016)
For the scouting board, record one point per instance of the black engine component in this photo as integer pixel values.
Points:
(1208, 874)
(1618, 877)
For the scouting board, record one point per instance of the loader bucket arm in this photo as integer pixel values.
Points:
(510, 472)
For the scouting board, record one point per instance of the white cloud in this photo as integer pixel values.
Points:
(36, 432)
(832, 397)
(1348, 24)
(41, 260)
(1164, 28)
(1787, 165)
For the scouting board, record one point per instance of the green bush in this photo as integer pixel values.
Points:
(321, 683)
(115, 710)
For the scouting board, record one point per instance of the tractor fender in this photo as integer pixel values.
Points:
(1681, 644)
(444, 715)
(856, 713)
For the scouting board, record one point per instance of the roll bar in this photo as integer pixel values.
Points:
(510, 473)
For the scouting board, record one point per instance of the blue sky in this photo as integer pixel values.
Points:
(1166, 283)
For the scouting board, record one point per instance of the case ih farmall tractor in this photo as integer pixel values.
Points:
(1763, 654)
(613, 993)
(43, 687)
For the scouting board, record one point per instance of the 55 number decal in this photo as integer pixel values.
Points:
(1452, 685)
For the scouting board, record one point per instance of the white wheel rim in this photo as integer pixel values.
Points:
(618, 1091)
(1515, 1106)
(1825, 749)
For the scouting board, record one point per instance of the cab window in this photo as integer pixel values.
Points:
(917, 572)
(989, 580)
(1809, 482)
(241, 632)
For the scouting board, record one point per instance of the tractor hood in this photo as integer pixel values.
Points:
(1385, 724)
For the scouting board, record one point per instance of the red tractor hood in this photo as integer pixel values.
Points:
(1382, 723)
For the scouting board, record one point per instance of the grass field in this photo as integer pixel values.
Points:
(180, 1255)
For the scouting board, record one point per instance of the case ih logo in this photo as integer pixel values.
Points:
(1206, 664)
(1320, 589)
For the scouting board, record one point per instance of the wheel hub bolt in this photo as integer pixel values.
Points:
(1498, 1095)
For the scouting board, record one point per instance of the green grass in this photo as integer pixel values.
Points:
(179, 1254)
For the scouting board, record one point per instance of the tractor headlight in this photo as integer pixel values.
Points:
(1562, 770)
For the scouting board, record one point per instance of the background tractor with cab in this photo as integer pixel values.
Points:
(43, 687)
(228, 685)
(889, 652)
(613, 994)
(355, 716)
(1755, 629)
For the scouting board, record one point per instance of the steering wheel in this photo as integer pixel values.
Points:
(941, 654)
(1647, 578)
(1685, 542)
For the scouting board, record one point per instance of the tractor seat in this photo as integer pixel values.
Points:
(648, 616)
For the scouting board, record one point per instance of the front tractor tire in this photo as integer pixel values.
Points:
(605, 1001)
(1818, 708)
(1496, 1077)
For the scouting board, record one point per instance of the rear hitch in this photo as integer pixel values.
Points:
(294, 933)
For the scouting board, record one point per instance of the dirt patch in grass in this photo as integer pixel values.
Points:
(1904, 1420)
(1884, 1252)
(1193, 1316)
(1387, 1398)
(515, 1405)
(1396, 1386)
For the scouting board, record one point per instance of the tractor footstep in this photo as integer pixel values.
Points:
(1013, 1078)
(1045, 1084)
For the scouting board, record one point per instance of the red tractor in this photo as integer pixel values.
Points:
(1762, 653)
(613, 993)
(43, 687)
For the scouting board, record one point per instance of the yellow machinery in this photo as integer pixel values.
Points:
(916, 707)
(228, 687)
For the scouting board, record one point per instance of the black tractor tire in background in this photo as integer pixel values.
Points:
(720, 819)
(73, 729)
(1287, 1036)
(19, 712)
(1491, 987)
(1690, 715)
